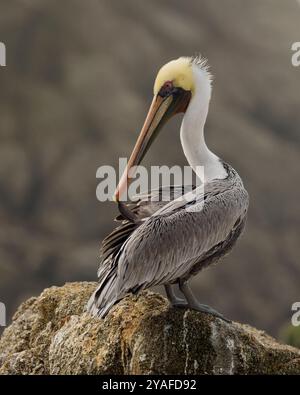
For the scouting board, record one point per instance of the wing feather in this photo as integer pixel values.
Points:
(167, 246)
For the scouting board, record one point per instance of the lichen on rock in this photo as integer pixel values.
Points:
(52, 334)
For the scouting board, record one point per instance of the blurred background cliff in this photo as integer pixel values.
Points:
(73, 96)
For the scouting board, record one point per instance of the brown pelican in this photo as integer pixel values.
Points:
(165, 243)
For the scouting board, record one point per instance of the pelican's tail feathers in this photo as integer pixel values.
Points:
(104, 297)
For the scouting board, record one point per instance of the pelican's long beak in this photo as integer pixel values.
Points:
(161, 109)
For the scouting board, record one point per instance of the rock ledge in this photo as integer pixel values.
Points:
(51, 334)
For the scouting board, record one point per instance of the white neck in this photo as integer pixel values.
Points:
(192, 131)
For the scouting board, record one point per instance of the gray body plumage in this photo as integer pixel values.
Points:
(168, 242)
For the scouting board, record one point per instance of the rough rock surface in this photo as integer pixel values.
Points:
(51, 334)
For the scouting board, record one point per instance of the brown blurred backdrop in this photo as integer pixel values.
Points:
(73, 96)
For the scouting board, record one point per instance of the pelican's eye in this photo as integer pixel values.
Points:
(166, 89)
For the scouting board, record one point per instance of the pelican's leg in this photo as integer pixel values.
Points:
(195, 305)
(173, 299)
